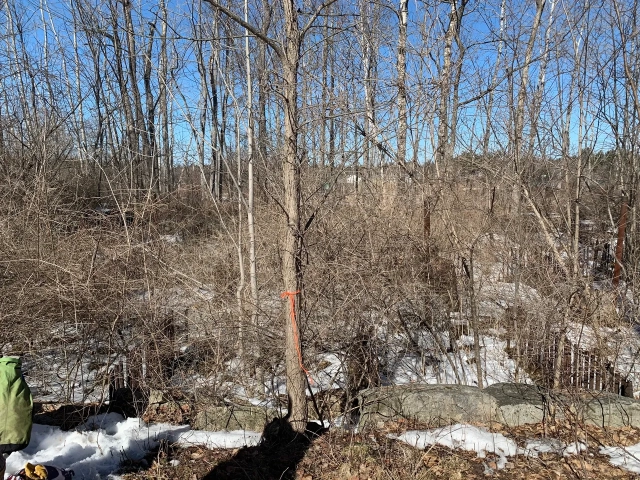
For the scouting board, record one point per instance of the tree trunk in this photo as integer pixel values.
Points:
(263, 77)
(494, 80)
(140, 133)
(152, 158)
(518, 127)
(203, 104)
(253, 275)
(291, 240)
(444, 121)
(291, 267)
(217, 138)
(166, 158)
(402, 87)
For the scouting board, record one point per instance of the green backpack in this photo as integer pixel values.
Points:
(16, 407)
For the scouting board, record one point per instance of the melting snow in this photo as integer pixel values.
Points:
(466, 437)
(96, 449)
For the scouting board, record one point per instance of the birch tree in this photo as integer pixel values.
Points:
(445, 112)
(401, 68)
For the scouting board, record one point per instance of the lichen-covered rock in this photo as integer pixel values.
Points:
(609, 410)
(433, 404)
(513, 404)
(519, 403)
(233, 418)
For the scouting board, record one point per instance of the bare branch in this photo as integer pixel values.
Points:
(314, 16)
(251, 28)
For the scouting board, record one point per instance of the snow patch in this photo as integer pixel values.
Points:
(466, 437)
(624, 457)
(96, 449)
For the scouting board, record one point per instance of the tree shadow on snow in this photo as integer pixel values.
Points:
(276, 456)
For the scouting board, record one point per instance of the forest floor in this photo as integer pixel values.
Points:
(375, 454)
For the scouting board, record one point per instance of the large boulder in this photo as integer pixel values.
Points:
(512, 404)
(233, 417)
(433, 404)
(519, 403)
(609, 410)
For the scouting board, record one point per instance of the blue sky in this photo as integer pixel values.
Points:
(427, 23)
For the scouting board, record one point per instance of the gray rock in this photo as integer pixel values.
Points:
(233, 418)
(519, 403)
(156, 397)
(510, 403)
(609, 410)
(433, 404)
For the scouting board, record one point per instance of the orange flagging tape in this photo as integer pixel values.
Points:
(296, 337)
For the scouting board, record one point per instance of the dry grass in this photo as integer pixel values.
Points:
(339, 455)
(365, 257)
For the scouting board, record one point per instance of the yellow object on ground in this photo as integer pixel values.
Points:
(35, 472)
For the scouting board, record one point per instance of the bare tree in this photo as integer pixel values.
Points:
(369, 15)
(165, 151)
(289, 54)
(253, 275)
(445, 113)
(401, 68)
